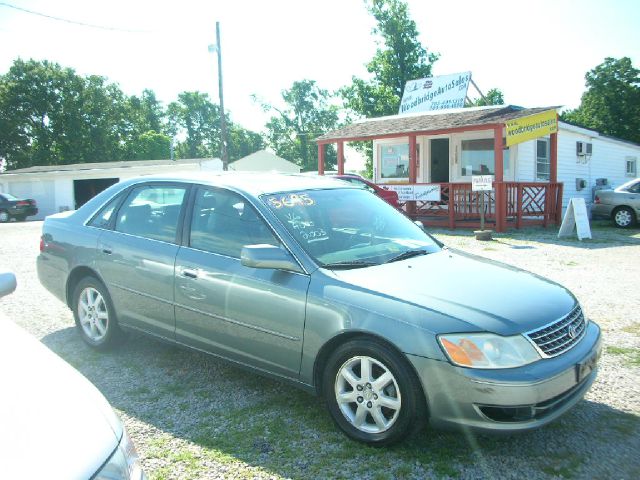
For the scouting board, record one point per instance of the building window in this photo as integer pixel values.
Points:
(632, 166)
(394, 160)
(543, 165)
(477, 157)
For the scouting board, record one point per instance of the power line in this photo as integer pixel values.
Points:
(66, 20)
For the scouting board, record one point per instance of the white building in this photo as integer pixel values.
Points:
(451, 146)
(65, 187)
(264, 161)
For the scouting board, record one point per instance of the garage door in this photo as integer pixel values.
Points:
(42, 192)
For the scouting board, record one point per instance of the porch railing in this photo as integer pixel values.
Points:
(527, 203)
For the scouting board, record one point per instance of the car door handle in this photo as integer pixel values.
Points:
(107, 250)
(186, 272)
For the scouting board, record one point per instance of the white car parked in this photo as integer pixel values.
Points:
(55, 423)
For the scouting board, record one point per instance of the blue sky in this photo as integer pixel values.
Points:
(536, 55)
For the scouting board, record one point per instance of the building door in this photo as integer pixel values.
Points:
(439, 160)
(85, 190)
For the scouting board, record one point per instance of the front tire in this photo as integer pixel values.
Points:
(372, 393)
(624, 217)
(4, 216)
(94, 314)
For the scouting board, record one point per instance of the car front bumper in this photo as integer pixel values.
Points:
(509, 400)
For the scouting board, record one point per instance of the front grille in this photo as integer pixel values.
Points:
(560, 336)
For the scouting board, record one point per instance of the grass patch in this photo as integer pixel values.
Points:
(626, 424)
(562, 464)
(633, 329)
(570, 263)
(631, 355)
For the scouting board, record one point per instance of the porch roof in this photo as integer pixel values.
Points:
(424, 123)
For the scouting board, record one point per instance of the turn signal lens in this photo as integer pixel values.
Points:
(456, 353)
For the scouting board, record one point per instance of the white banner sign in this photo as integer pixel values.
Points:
(481, 183)
(435, 93)
(421, 193)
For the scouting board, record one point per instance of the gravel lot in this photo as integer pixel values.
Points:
(193, 416)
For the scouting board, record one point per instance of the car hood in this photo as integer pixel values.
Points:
(54, 423)
(484, 294)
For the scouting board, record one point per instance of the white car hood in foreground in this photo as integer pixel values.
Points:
(54, 423)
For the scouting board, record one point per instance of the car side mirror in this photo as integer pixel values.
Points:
(7, 283)
(268, 256)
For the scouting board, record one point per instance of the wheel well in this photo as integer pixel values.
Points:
(76, 275)
(622, 206)
(335, 342)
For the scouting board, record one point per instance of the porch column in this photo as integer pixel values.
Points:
(340, 158)
(413, 161)
(413, 164)
(553, 161)
(321, 159)
(499, 178)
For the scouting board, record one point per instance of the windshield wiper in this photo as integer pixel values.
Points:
(407, 254)
(348, 264)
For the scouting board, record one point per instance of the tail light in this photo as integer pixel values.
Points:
(597, 199)
(42, 244)
(22, 203)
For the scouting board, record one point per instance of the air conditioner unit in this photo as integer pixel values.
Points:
(584, 149)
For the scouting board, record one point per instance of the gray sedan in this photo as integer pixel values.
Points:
(328, 287)
(622, 205)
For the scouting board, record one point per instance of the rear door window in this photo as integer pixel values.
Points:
(152, 212)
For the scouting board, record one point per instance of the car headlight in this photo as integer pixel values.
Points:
(124, 464)
(486, 350)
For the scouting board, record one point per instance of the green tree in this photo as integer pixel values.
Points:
(306, 115)
(49, 115)
(198, 120)
(195, 118)
(400, 57)
(151, 145)
(611, 103)
(493, 97)
(243, 142)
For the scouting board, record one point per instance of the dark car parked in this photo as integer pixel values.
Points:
(18, 208)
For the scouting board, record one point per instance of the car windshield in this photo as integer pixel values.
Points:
(9, 197)
(348, 228)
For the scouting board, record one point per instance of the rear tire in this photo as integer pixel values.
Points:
(624, 217)
(372, 392)
(94, 314)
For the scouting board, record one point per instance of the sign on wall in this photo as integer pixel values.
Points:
(420, 193)
(435, 93)
(530, 127)
(481, 183)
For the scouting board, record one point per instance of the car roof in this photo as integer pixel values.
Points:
(253, 183)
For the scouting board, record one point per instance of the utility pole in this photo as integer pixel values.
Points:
(223, 120)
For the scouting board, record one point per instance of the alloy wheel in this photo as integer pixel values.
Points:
(93, 314)
(367, 394)
(623, 218)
